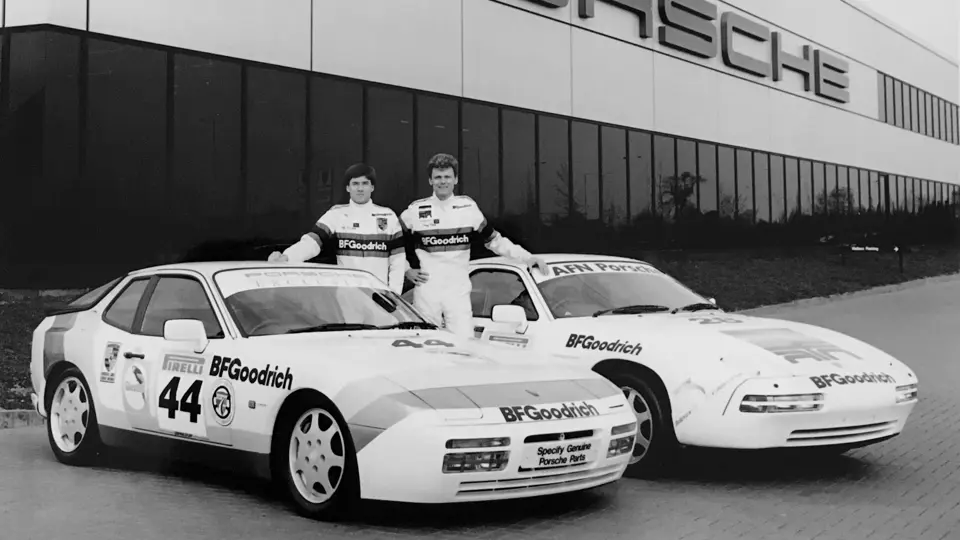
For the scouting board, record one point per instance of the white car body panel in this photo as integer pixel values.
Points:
(708, 360)
(403, 393)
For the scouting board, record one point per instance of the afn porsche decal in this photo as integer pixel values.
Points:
(793, 346)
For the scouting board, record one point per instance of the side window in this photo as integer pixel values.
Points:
(123, 309)
(179, 298)
(495, 287)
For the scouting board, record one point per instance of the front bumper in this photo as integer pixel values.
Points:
(405, 463)
(849, 415)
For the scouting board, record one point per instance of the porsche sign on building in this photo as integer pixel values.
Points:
(136, 132)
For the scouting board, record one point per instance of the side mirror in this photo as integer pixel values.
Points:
(510, 314)
(712, 301)
(188, 331)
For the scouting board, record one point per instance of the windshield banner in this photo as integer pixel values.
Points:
(234, 281)
(562, 269)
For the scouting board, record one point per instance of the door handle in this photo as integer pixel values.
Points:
(129, 354)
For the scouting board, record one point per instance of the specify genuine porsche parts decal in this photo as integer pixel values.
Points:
(792, 346)
(531, 412)
(234, 369)
(824, 381)
(583, 341)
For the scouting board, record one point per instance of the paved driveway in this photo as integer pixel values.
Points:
(907, 488)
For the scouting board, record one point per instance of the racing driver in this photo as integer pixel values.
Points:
(441, 229)
(369, 236)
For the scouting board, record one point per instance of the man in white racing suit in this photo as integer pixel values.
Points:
(368, 236)
(441, 229)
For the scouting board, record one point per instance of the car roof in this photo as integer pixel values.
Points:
(208, 268)
(559, 258)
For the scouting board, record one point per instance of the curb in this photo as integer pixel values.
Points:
(883, 289)
(20, 418)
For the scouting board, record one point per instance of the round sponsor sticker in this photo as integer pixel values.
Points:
(223, 402)
(135, 388)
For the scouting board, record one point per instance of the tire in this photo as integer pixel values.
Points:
(72, 427)
(333, 457)
(656, 447)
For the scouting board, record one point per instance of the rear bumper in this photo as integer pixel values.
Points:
(405, 463)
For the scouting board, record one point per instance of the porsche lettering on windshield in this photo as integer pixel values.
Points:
(598, 267)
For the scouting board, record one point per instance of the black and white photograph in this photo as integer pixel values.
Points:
(464, 269)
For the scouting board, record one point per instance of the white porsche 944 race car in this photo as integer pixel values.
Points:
(324, 380)
(694, 374)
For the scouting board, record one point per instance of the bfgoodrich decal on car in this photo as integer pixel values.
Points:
(234, 369)
(531, 412)
(583, 341)
(824, 381)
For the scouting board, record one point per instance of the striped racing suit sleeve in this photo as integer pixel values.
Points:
(397, 262)
(310, 243)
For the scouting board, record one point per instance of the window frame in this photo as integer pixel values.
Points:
(136, 328)
(531, 289)
(148, 295)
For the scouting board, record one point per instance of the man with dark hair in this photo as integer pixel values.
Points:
(441, 229)
(368, 236)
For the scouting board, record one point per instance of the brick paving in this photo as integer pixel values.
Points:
(907, 488)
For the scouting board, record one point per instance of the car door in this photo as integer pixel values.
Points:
(502, 286)
(114, 350)
(167, 387)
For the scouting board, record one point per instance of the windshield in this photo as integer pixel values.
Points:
(583, 294)
(312, 301)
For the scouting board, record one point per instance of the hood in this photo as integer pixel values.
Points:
(420, 359)
(761, 346)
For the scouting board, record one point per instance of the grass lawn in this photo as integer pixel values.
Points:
(738, 280)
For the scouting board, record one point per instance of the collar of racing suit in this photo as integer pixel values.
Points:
(368, 204)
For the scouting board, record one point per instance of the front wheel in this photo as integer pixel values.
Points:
(72, 426)
(317, 461)
(656, 445)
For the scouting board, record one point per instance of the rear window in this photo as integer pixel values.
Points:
(92, 297)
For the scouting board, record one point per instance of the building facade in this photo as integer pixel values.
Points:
(136, 130)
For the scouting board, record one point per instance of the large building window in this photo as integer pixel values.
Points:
(807, 186)
(586, 169)
(336, 142)
(745, 208)
(613, 145)
(126, 157)
(554, 148)
(778, 194)
(390, 139)
(761, 185)
(275, 150)
(684, 196)
(481, 157)
(664, 172)
(519, 162)
(640, 153)
(437, 132)
(727, 181)
(707, 188)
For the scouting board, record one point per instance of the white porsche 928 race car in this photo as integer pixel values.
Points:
(694, 374)
(321, 378)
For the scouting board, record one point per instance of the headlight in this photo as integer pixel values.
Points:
(461, 462)
(478, 443)
(619, 444)
(907, 393)
(781, 404)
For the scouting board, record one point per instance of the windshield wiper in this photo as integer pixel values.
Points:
(333, 327)
(697, 307)
(409, 325)
(637, 308)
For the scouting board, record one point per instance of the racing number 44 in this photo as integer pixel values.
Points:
(188, 403)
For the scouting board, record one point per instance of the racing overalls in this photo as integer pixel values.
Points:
(368, 237)
(442, 232)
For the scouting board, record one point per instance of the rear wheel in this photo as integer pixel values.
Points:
(656, 445)
(316, 460)
(72, 426)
